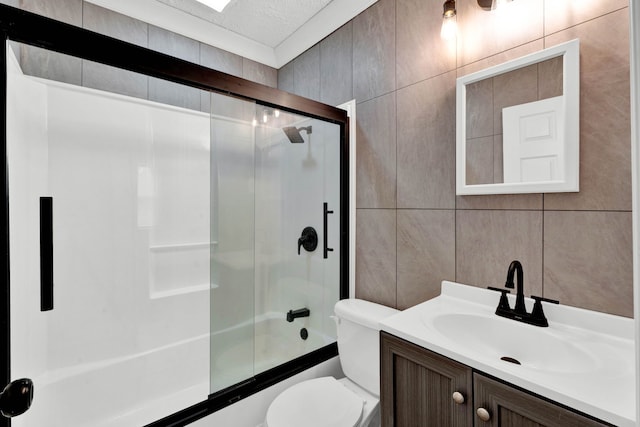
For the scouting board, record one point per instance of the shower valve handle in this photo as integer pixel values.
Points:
(308, 240)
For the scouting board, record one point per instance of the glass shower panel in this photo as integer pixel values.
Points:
(127, 341)
(232, 229)
(294, 158)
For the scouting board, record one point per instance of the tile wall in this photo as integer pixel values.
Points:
(412, 230)
(59, 67)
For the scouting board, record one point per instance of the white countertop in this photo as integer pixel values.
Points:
(599, 378)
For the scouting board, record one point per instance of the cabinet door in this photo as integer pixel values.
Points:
(417, 387)
(509, 407)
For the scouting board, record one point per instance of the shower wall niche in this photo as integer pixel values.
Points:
(176, 225)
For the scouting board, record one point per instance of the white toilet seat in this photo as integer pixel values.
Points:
(320, 402)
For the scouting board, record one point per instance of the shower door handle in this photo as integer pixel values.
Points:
(327, 249)
(46, 253)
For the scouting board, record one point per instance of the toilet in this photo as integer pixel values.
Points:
(353, 401)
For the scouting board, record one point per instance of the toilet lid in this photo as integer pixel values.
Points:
(321, 402)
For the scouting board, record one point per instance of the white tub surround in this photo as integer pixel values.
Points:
(584, 359)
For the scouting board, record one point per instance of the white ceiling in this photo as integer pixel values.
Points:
(271, 32)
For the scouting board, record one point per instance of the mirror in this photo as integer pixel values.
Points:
(517, 125)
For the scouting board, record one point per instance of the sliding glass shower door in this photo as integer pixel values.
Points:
(273, 295)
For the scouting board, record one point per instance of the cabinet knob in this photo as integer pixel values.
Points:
(483, 414)
(458, 397)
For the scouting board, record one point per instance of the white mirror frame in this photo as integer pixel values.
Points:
(570, 51)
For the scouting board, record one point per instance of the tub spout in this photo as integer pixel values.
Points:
(294, 314)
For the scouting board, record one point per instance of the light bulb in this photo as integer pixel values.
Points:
(254, 122)
(449, 28)
(264, 117)
(276, 113)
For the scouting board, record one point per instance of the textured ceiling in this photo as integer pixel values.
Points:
(269, 22)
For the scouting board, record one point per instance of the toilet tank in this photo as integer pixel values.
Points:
(359, 340)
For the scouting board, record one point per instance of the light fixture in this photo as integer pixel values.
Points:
(217, 5)
(449, 25)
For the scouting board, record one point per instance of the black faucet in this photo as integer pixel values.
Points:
(294, 314)
(516, 267)
(519, 312)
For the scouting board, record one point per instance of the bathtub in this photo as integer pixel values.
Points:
(133, 390)
(236, 356)
(140, 388)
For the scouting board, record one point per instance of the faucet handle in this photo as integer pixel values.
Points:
(537, 314)
(549, 300)
(504, 302)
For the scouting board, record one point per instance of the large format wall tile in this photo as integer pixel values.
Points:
(376, 256)
(588, 260)
(306, 73)
(174, 44)
(426, 254)
(501, 201)
(259, 73)
(561, 14)
(605, 147)
(113, 24)
(426, 144)
(487, 242)
(374, 43)
(285, 78)
(376, 153)
(69, 11)
(421, 52)
(336, 66)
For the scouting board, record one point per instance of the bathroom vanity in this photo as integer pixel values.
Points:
(423, 388)
(452, 362)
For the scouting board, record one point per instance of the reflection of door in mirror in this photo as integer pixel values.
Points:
(535, 152)
(486, 102)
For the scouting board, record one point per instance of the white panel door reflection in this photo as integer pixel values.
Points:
(533, 141)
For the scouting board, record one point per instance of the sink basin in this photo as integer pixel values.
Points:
(526, 346)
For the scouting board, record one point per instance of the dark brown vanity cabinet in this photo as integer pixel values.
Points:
(420, 388)
(417, 387)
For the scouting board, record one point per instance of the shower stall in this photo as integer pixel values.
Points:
(164, 252)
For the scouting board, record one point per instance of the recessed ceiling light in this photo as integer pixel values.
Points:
(217, 5)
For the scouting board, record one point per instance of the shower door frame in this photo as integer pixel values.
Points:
(31, 29)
